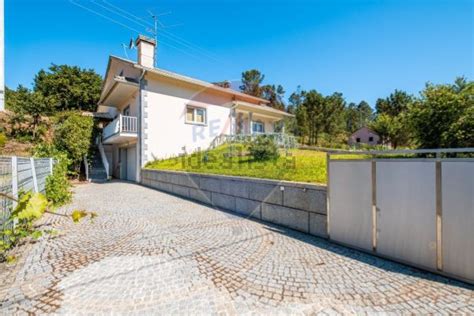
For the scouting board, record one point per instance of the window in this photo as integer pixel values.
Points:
(371, 139)
(258, 127)
(358, 139)
(195, 115)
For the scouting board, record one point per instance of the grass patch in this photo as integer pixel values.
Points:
(234, 160)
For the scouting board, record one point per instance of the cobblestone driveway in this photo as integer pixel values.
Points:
(150, 252)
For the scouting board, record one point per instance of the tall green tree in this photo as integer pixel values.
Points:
(72, 87)
(394, 104)
(251, 82)
(334, 113)
(444, 115)
(391, 122)
(315, 106)
(357, 116)
(274, 94)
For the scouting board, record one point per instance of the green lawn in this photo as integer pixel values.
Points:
(296, 165)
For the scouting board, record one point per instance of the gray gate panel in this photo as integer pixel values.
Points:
(458, 218)
(406, 220)
(350, 196)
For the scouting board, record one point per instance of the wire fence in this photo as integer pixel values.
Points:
(19, 174)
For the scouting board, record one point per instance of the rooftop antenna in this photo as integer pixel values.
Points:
(130, 46)
(154, 31)
(125, 47)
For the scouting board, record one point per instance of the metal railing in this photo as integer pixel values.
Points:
(121, 124)
(19, 174)
(281, 139)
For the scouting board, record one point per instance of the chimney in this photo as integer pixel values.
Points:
(146, 51)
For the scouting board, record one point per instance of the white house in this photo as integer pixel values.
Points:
(158, 114)
(364, 135)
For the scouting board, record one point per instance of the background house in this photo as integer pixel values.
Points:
(364, 135)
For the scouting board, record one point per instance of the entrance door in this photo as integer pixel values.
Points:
(131, 164)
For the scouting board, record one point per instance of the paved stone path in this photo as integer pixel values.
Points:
(153, 253)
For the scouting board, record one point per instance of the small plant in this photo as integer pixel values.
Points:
(263, 148)
(20, 223)
(57, 185)
(3, 140)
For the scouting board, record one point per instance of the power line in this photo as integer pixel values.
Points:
(114, 12)
(167, 34)
(126, 12)
(132, 28)
(104, 16)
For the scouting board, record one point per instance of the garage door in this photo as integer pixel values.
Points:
(131, 163)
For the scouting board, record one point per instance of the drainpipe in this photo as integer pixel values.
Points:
(140, 125)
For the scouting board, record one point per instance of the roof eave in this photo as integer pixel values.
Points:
(201, 83)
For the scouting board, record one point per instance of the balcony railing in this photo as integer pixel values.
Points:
(121, 124)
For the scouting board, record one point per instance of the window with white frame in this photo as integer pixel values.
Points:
(258, 127)
(195, 115)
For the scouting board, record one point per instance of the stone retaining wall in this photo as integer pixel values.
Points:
(300, 206)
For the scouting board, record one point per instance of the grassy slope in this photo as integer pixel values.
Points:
(297, 165)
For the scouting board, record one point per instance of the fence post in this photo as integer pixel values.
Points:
(33, 172)
(50, 165)
(15, 179)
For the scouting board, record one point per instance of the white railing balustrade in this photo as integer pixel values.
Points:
(281, 139)
(121, 124)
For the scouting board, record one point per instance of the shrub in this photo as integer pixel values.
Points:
(73, 135)
(263, 148)
(57, 185)
(3, 140)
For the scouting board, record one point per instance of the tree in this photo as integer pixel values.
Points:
(73, 135)
(393, 130)
(357, 116)
(444, 115)
(251, 81)
(395, 104)
(275, 95)
(222, 84)
(70, 86)
(314, 105)
(296, 125)
(334, 113)
(391, 122)
(26, 103)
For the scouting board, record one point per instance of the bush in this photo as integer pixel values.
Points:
(263, 148)
(57, 185)
(3, 140)
(73, 135)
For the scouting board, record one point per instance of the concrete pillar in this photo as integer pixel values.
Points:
(250, 123)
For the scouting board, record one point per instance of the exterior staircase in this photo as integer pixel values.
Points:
(97, 171)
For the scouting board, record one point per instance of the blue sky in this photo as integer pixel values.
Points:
(364, 49)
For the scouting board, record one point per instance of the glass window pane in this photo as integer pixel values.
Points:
(190, 114)
(200, 115)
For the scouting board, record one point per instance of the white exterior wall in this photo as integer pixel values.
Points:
(165, 124)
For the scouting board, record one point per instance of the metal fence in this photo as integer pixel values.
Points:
(418, 211)
(19, 174)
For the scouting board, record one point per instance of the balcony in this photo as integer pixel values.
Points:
(122, 129)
